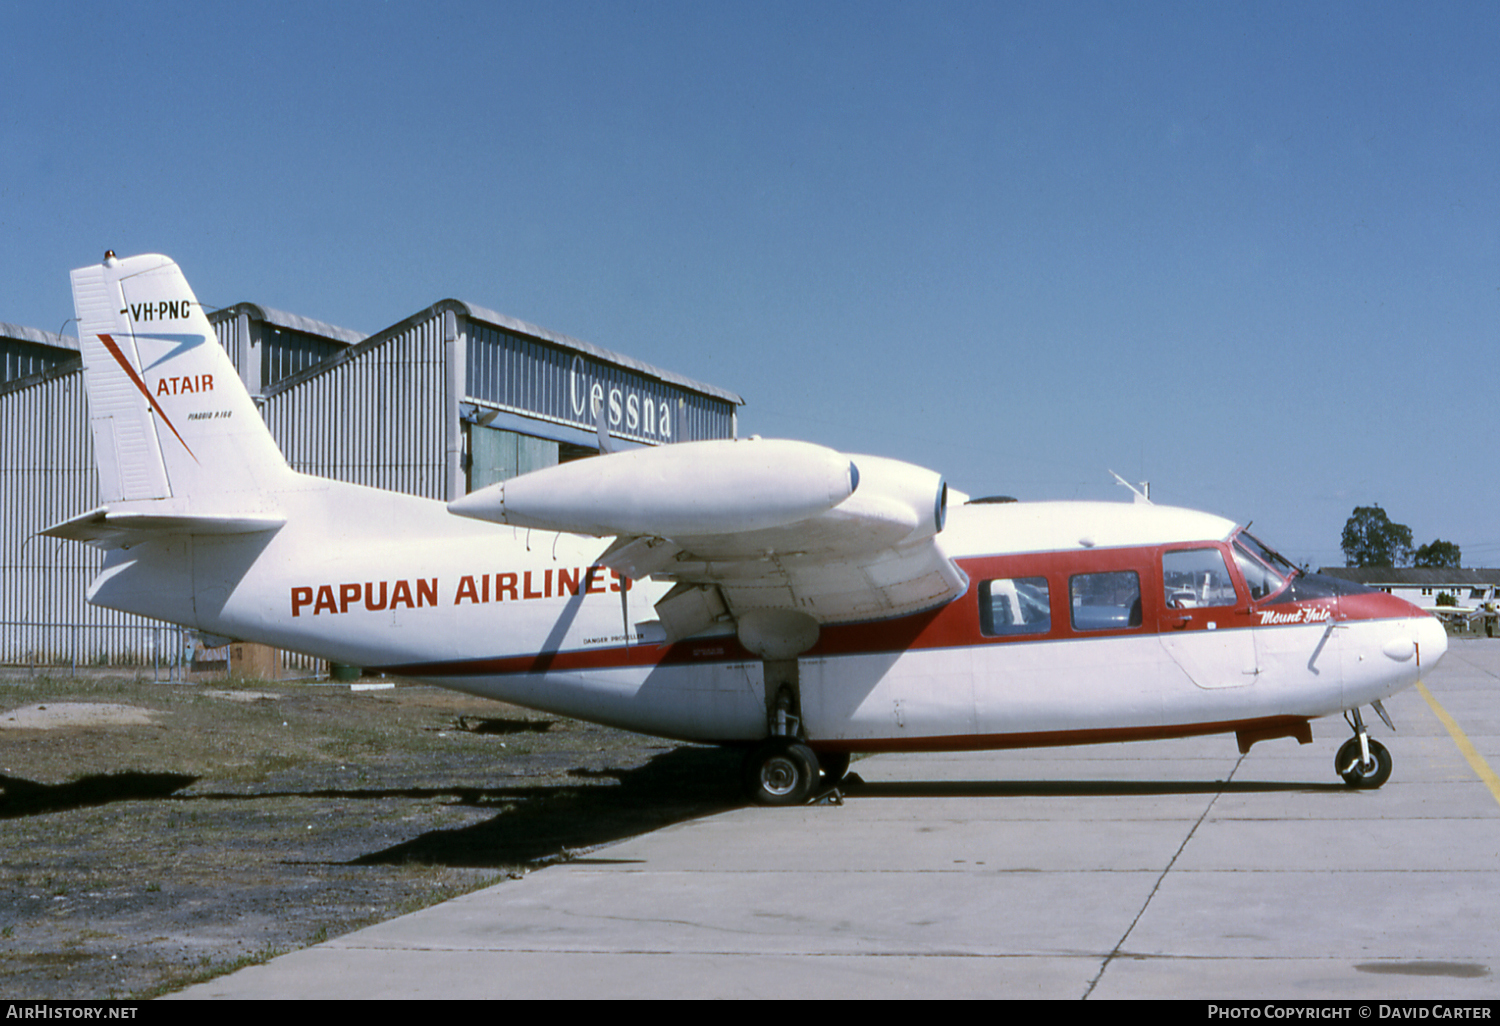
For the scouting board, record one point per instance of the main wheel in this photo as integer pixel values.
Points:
(782, 771)
(1377, 772)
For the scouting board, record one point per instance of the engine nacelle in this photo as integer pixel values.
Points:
(892, 492)
(689, 489)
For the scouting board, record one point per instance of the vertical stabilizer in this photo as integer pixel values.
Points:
(170, 417)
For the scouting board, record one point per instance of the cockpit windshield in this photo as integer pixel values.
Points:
(1266, 571)
(1272, 577)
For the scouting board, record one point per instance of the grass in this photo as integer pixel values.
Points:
(323, 810)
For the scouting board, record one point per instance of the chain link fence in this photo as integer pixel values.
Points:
(170, 652)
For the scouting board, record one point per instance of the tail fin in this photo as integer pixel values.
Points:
(171, 418)
(180, 445)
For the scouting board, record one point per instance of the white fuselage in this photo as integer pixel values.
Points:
(382, 580)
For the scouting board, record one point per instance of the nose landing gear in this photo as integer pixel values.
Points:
(1362, 761)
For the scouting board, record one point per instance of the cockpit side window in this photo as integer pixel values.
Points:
(1196, 578)
(1278, 563)
(1265, 572)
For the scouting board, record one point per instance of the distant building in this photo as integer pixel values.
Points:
(450, 399)
(1421, 585)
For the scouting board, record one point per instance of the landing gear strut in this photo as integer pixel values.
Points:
(1362, 761)
(781, 771)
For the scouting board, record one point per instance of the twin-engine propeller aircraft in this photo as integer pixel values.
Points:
(774, 595)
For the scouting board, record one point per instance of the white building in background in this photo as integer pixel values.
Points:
(1421, 585)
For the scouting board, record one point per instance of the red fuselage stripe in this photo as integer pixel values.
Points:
(954, 625)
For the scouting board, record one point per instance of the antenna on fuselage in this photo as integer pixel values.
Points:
(1142, 494)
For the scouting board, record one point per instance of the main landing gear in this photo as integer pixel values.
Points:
(783, 769)
(1362, 761)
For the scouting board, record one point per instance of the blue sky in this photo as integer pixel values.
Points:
(1247, 251)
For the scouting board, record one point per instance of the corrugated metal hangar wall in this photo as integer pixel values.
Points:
(451, 399)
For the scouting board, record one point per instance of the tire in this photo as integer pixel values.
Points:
(782, 771)
(1347, 765)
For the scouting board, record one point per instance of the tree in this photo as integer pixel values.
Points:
(1370, 539)
(1438, 553)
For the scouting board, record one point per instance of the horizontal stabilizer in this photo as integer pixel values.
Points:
(110, 529)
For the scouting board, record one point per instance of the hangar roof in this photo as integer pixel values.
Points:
(294, 322)
(1414, 576)
(480, 313)
(349, 337)
(37, 336)
(484, 315)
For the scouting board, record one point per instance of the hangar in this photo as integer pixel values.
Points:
(450, 399)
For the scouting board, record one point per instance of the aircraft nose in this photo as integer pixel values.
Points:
(1413, 631)
(1432, 641)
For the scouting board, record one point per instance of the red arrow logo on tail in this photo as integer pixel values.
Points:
(114, 351)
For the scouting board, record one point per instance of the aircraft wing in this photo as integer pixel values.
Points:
(751, 525)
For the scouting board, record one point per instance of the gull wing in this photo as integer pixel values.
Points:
(746, 526)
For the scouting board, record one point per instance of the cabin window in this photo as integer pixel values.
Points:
(1196, 578)
(1014, 605)
(1109, 601)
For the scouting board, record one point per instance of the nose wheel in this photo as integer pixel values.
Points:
(1360, 772)
(1362, 761)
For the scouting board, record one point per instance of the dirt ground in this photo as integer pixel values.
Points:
(155, 834)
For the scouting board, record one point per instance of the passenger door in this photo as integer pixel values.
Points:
(1205, 622)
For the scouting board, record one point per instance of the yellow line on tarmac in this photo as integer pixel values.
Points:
(1476, 761)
